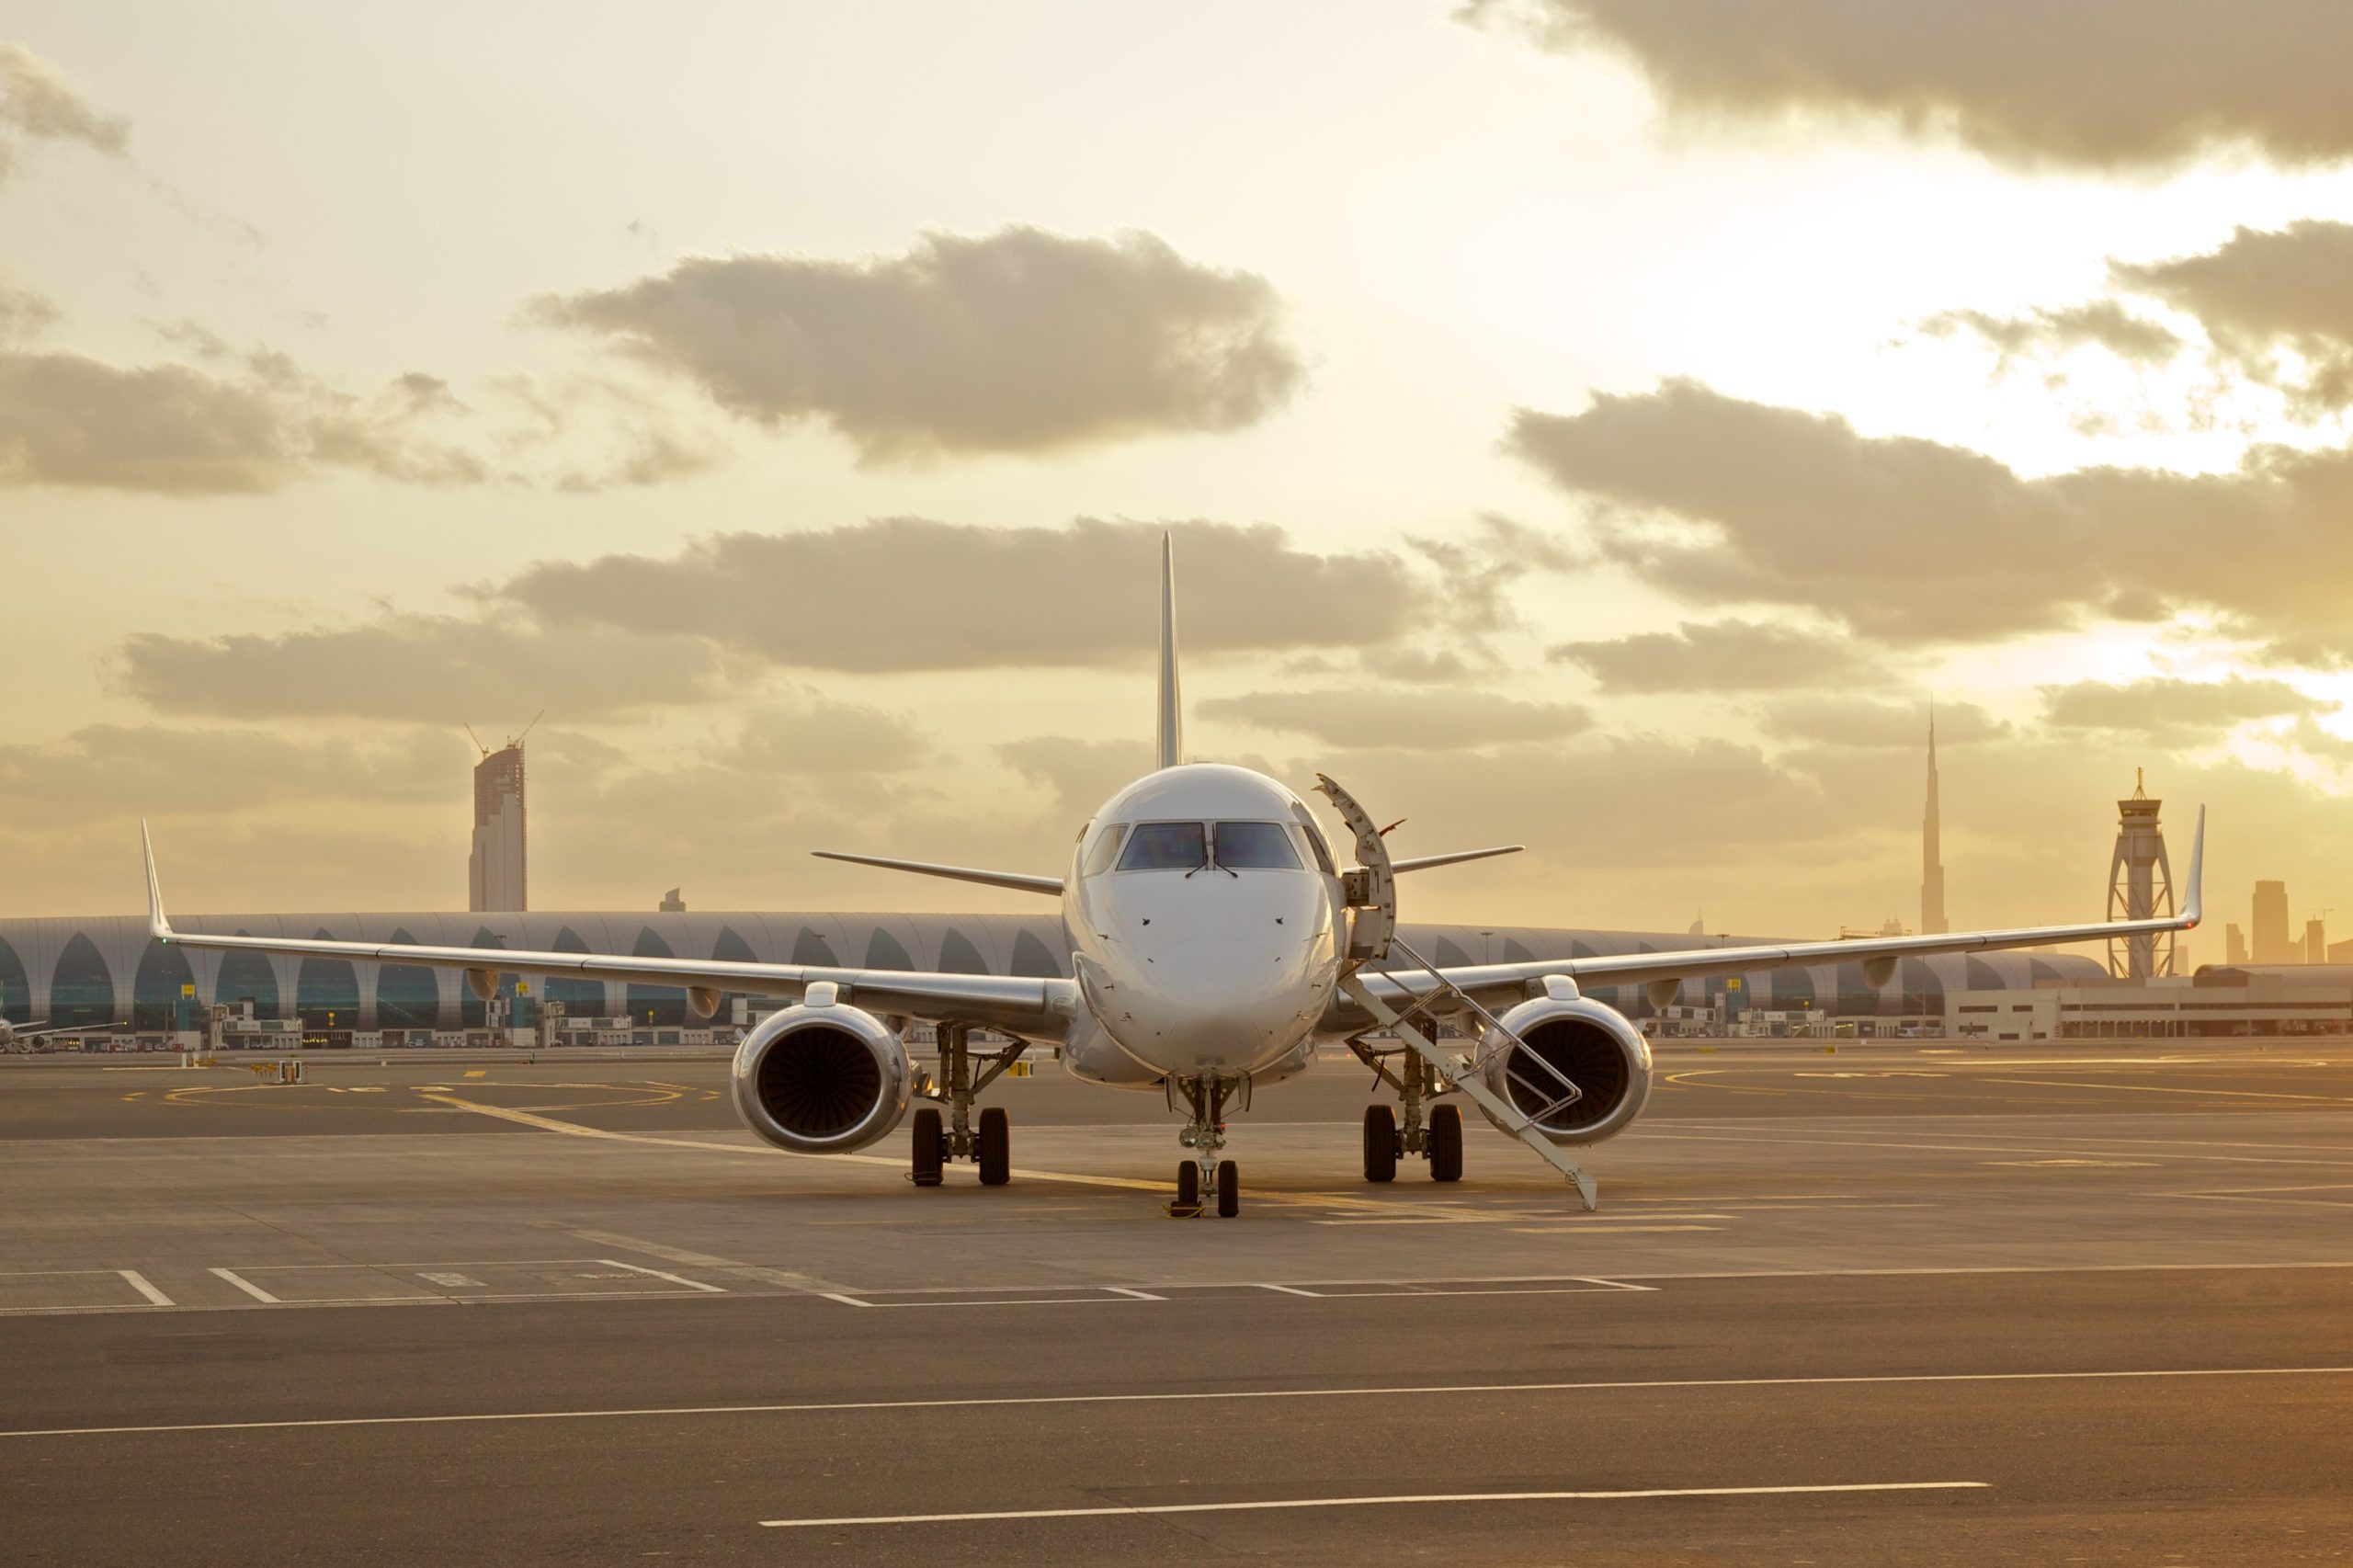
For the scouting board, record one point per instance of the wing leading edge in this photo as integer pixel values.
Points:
(1033, 1008)
(1695, 963)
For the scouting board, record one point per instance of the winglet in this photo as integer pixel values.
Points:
(2193, 908)
(1170, 730)
(157, 927)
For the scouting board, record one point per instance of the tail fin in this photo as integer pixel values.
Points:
(1171, 731)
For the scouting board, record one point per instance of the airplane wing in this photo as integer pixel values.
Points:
(1013, 880)
(48, 1029)
(1456, 857)
(1879, 955)
(1036, 1009)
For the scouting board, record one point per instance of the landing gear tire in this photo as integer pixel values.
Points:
(1189, 1185)
(931, 1147)
(1229, 1190)
(1446, 1143)
(995, 1149)
(1380, 1144)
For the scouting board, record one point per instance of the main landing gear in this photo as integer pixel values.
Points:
(939, 1139)
(1205, 1132)
(1439, 1142)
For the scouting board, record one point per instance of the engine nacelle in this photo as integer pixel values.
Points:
(822, 1080)
(1596, 1047)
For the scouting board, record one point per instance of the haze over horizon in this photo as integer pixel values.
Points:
(1597, 423)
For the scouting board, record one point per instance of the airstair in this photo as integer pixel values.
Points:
(1539, 1089)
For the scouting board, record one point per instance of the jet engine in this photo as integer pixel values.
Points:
(821, 1080)
(1591, 1045)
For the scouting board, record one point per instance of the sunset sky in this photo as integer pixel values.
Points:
(1603, 424)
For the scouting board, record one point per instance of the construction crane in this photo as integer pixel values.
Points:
(512, 741)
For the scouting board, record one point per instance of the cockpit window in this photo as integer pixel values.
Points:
(1107, 845)
(1254, 846)
(1166, 846)
(1315, 843)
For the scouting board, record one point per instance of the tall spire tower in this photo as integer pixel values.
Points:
(1932, 850)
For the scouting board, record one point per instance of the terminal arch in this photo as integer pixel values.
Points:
(326, 990)
(811, 948)
(1032, 957)
(885, 951)
(958, 956)
(81, 988)
(156, 990)
(472, 1013)
(15, 987)
(662, 1005)
(581, 998)
(408, 996)
(248, 977)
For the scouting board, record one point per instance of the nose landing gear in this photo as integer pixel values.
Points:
(1205, 1132)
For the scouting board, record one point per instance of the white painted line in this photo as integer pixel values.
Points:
(1638, 1385)
(248, 1286)
(1391, 1501)
(139, 1283)
(1291, 1291)
(1619, 1284)
(673, 1278)
(1139, 1295)
(845, 1301)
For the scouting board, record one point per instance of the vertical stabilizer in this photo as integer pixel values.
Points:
(1170, 731)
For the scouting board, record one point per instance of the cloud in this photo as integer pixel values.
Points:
(2180, 712)
(912, 594)
(426, 669)
(1726, 501)
(38, 104)
(1824, 720)
(23, 314)
(1721, 655)
(2265, 291)
(2090, 84)
(110, 772)
(2101, 323)
(1081, 774)
(1021, 341)
(1373, 719)
(70, 420)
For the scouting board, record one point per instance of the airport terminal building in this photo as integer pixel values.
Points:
(101, 969)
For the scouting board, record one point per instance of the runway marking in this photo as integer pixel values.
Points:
(248, 1286)
(1820, 1142)
(673, 1278)
(139, 1283)
(791, 1279)
(1131, 1290)
(574, 1130)
(2215, 1094)
(1395, 1500)
(1188, 1396)
(2077, 1163)
(1289, 1290)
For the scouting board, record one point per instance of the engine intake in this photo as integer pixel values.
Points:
(821, 1080)
(1594, 1047)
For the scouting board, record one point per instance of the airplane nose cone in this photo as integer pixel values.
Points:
(1215, 999)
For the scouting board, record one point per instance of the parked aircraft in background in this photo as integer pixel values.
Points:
(16, 1036)
(1215, 940)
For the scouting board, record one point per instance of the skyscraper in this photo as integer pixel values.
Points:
(2233, 945)
(1932, 852)
(2272, 943)
(496, 876)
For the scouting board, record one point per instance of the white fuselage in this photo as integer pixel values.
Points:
(1206, 928)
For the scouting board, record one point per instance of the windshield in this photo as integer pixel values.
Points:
(1107, 844)
(1256, 846)
(1166, 846)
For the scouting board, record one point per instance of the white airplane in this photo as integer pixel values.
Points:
(35, 1029)
(1215, 941)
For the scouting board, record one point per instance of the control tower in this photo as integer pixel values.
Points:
(2140, 887)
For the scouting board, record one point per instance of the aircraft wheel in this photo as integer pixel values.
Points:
(931, 1146)
(996, 1147)
(1189, 1185)
(1229, 1190)
(1380, 1144)
(1446, 1143)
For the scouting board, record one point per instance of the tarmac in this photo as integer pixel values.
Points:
(1928, 1302)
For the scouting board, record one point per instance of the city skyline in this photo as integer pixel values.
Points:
(1635, 451)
